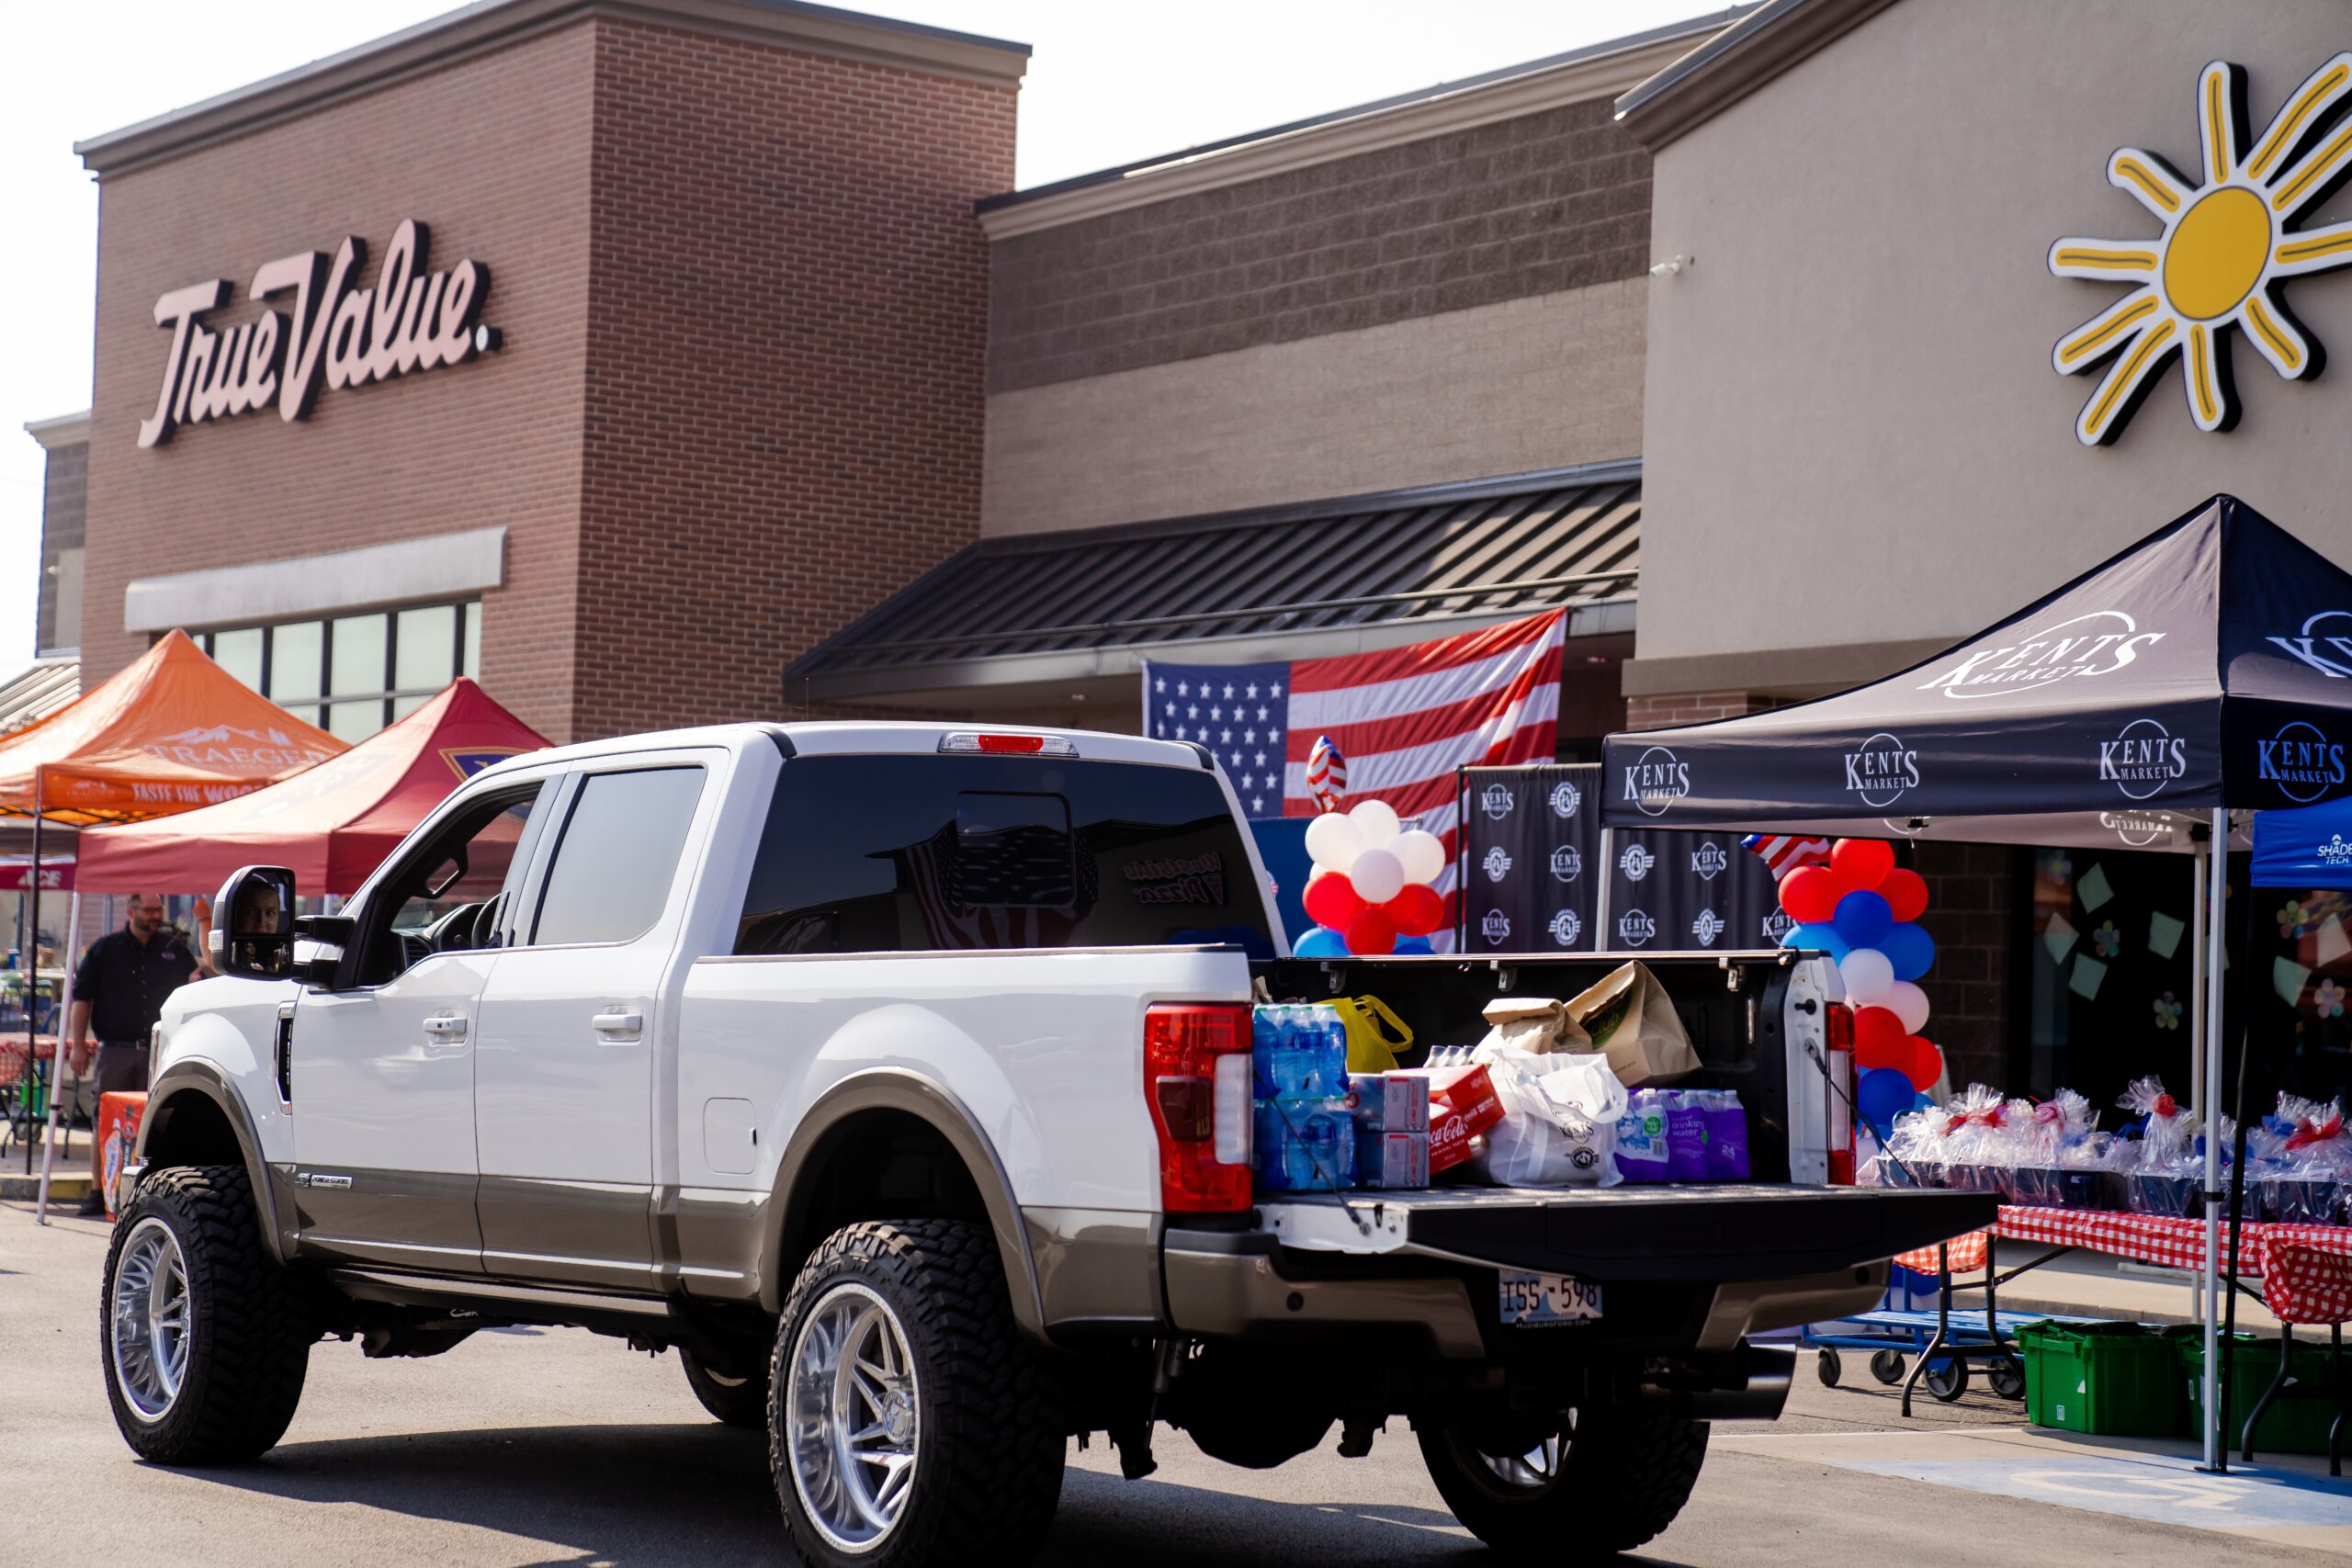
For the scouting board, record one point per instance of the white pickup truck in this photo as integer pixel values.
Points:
(874, 1068)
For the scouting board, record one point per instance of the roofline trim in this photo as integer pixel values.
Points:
(61, 431)
(1059, 665)
(1596, 70)
(488, 25)
(1734, 62)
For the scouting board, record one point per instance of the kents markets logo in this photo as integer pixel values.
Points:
(2082, 647)
(1566, 927)
(1655, 780)
(1567, 863)
(2303, 762)
(1565, 797)
(2307, 647)
(1880, 769)
(1496, 800)
(1495, 926)
(1497, 863)
(2144, 757)
(1634, 929)
(1635, 861)
(1708, 860)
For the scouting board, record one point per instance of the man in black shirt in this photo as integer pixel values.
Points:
(118, 994)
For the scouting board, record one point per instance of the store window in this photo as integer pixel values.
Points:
(353, 674)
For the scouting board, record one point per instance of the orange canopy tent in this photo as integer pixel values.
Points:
(169, 733)
(331, 824)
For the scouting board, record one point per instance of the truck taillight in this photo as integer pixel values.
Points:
(1196, 1077)
(1838, 1038)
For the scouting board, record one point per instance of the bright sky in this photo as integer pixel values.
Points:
(1107, 84)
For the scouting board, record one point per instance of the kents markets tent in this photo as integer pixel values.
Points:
(2206, 669)
(168, 733)
(333, 824)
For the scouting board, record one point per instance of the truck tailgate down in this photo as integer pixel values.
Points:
(1712, 1233)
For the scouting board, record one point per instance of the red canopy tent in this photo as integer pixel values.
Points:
(331, 824)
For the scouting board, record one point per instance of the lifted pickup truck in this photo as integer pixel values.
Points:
(874, 1069)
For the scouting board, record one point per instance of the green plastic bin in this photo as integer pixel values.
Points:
(2293, 1425)
(2111, 1380)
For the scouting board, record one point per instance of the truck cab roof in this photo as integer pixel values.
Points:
(865, 737)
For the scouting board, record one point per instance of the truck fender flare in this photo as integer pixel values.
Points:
(897, 1088)
(201, 1078)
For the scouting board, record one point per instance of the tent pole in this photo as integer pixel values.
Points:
(1601, 891)
(32, 959)
(57, 1060)
(2199, 869)
(2208, 1078)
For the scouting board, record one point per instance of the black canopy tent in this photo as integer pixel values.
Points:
(2207, 667)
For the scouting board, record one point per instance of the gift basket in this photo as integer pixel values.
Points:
(1980, 1145)
(2168, 1178)
(2064, 1161)
(2307, 1177)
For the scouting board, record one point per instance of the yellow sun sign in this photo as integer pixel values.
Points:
(2227, 251)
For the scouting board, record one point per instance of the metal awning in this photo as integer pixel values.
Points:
(1303, 580)
(38, 690)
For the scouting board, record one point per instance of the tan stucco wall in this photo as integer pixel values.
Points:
(1533, 383)
(1853, 431)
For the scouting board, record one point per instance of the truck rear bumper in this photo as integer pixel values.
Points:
(1694, 1268)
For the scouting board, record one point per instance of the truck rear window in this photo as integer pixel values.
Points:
(913, 854)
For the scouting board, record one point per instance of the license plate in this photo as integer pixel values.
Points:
(1540, 1301)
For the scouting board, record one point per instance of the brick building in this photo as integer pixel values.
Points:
(739, 297)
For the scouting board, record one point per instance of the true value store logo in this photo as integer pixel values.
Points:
(2226, 249)
(339, 334)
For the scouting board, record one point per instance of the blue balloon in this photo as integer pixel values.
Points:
(1882, 1095)
(1320, 943)
(1820, 938)
(1924, 1102)
(1414, 944)
(1909, 948)
(1863, 919)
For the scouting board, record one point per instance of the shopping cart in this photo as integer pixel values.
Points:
(1911, 1343)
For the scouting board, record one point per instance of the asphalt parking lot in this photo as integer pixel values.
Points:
(528, 1446)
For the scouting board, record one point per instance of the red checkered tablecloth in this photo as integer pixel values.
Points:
(2306, 1269)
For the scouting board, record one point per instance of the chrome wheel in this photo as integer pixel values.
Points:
(1534, 1470)
(855, 1424)
(147, 1320)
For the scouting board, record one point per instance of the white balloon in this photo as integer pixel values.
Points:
(1333, 842)
(1421, 854)
(1908, 1003)
(1376, 821)
(1378, 877)
(1870, 976)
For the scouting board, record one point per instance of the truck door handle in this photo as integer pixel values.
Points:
(618, 1027)
(446, 1026)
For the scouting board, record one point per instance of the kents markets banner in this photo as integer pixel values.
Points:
(1402, 719)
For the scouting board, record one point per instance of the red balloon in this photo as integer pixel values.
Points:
(1416, 911)
(1906, 893)
(1925, 1065)
(1879, 1040)
(1371, 933)
(1810, 895)
(1861, 865)
(1332, 900)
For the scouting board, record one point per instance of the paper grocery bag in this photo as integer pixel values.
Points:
(1533, 1023)
(1628, 1018)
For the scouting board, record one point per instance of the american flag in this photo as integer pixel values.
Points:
(1404, 718)
(1784, 852)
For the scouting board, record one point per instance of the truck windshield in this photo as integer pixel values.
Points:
(913, 853)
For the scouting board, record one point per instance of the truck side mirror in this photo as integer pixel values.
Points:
(253, 928)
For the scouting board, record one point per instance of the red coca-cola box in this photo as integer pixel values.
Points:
(1461, 1105)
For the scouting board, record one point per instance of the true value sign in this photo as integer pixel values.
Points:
(339, 334)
